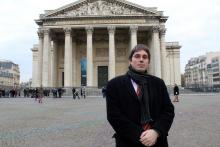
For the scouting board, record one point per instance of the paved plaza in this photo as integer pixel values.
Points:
(64, 122)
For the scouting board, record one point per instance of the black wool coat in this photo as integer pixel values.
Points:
(123, 111)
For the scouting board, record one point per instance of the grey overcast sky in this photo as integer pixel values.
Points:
(194, 23)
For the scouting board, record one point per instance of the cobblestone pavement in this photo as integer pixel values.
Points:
(82, 123)
(196, 122)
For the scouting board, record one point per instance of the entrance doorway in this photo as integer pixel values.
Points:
(62, 79)
(102, 76)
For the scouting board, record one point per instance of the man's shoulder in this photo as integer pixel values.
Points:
(117, 80)
(156, 79)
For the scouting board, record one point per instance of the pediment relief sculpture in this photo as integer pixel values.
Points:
(99, 8)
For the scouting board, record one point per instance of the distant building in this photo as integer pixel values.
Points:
(203, 72)
(9, 74)
(215, 64)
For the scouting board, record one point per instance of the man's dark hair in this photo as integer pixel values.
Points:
(137, 48)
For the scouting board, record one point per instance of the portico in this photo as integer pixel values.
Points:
(89, 33)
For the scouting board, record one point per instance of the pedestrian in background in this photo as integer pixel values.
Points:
(176, 93)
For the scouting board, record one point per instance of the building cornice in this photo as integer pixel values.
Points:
(54, 19)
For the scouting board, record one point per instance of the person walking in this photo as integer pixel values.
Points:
(41, 95)
(60, 91)
(77, 94)
(83, 92)
(104, 91)
(73, 91)
(176, 93)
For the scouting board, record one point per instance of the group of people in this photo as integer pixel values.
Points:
(9, 93)
(34, 92)
(57, 92)
(79, 92)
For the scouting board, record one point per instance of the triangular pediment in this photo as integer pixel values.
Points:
(99, 8)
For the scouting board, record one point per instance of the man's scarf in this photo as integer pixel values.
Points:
(141, 79)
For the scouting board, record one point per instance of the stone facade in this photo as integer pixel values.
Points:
(9, 74)
(102, 32)
(171, 63)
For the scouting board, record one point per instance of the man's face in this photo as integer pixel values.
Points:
(140, 61)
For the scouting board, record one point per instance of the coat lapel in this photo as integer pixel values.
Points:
(130, 87)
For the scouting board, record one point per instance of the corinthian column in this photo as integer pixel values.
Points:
(156, 51)
(133, 32)
(54, 64)
(68, 58)
(163, 55)
(40, 58)
(34, 66)
(74, 62)
(111, 71)
(46, 58)
(89, 31)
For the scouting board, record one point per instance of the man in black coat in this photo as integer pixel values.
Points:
(138, 105)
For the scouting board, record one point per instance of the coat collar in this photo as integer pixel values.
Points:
(132, 92)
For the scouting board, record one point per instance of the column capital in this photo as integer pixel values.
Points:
(155, 29)
(163, 31)
(89, 29)
(46, 31)
(111, 29)
(133, 29)
(40, 33)
(67, 31)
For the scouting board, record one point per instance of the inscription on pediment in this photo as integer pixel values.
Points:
(100, 7)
